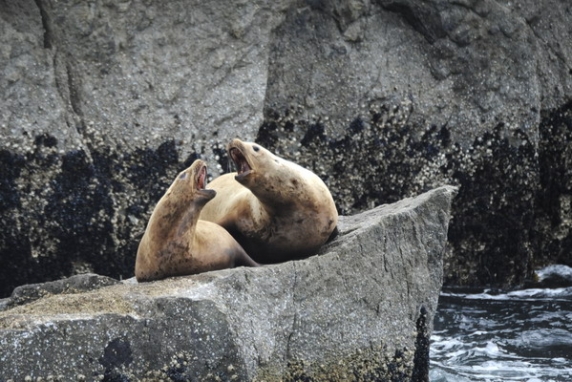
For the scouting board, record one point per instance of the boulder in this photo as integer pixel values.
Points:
(361, 309)
(552, 276)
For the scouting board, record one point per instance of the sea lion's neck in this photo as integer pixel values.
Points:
(174, 223)
(187, 223)
(267, 210)
(279, 201)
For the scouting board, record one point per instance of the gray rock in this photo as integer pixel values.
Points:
(553, 276)
(103, 102)
(455, 64)
(79, 283)
(361, 309)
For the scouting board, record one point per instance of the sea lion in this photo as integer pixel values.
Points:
(276, 209)
(176, 242)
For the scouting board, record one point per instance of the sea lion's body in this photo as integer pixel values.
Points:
(176, 242)
(276, 209)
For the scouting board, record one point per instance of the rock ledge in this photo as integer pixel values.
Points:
(360, 310)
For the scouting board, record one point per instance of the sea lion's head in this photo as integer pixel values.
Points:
(253, 162)
(189, 186)
(265, 174)
(180, 206)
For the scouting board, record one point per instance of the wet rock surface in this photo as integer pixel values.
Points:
(359, 310)
(104, 102)
(552, 276)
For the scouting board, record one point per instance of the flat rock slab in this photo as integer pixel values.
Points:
(360, 310)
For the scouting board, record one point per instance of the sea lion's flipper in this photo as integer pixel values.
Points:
(242, 258)
(333, 235)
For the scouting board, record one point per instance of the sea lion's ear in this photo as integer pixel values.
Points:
(183, 175)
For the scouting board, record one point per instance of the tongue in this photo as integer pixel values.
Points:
(202, 178)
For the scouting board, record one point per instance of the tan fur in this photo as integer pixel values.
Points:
(275, 209)
(176, 242)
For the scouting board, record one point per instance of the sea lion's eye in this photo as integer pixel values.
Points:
(183, 176)
(256, 148)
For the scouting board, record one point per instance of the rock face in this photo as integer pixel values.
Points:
(103, 102)
(360, 310)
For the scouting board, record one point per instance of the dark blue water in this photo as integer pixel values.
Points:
(523, 335)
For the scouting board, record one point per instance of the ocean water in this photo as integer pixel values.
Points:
(523, 335)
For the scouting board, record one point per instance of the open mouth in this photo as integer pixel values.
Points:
(242, 166)
(202, 178)
(201, 184)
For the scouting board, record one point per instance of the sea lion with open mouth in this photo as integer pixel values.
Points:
(276, 209)
(176, 242)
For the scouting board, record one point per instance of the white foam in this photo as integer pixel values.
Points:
(532, 293)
